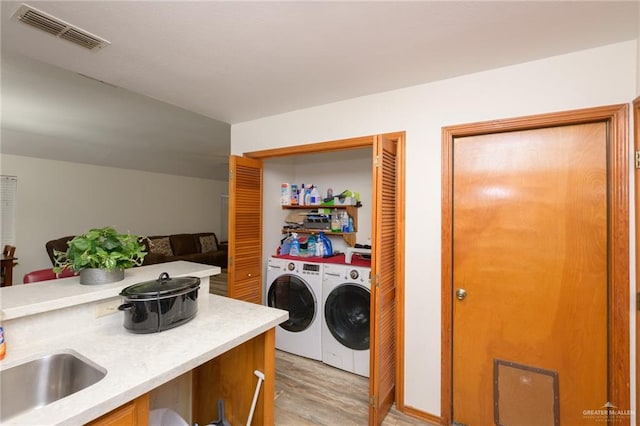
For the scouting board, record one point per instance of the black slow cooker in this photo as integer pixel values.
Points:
(157, 305)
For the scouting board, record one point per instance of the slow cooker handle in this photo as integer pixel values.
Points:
(163, 277)
(125, 307)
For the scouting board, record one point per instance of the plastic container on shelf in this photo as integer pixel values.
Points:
(295, 245)
(285, 194)
(327, 247)
(301, 194)
(336, 223)
(307, 195)
(311, 245)
(285, 247)
(319, 248)
(3, 344)
(344, 221)
(315, 198)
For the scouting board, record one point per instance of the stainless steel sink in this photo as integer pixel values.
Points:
(41, 381)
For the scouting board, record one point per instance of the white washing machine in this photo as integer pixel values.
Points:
(296, 286)
(345, 330)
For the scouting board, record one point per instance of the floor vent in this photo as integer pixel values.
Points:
(59, 28)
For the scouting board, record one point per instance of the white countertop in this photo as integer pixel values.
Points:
(29, 299)
(137, 363)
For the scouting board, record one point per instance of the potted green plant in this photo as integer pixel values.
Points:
(101, 255)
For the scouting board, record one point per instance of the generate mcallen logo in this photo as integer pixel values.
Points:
(608, 410)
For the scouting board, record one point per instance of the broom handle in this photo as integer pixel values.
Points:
(255, 395)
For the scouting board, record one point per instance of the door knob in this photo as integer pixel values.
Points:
(461, 293)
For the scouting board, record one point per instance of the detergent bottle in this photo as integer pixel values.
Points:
(285, 246)
(312, 241)
(326, 244)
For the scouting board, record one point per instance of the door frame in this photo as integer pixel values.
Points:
(616, 117)
(359, 143)
(636, 198)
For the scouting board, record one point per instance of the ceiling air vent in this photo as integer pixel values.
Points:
(59, 28)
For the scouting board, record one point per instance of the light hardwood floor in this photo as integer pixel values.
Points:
(309, 392)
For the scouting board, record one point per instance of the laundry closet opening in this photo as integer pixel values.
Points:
(324, 316)
(373, 167)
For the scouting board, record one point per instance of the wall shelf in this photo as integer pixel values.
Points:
(348, 237)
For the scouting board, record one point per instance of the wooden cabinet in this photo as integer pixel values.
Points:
(231, 377)
(349, 237)
(133, 413)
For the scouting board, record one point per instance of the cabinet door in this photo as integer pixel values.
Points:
(245, 229)
(132, 413)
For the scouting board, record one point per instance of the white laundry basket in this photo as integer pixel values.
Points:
(165, 417)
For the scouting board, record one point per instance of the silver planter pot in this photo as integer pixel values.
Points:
(92, 276)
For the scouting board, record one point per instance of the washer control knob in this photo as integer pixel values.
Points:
(354, 274)
(291, 266)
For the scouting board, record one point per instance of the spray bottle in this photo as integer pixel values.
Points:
(295, 245)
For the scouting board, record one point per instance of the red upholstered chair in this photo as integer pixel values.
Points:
(45, 275)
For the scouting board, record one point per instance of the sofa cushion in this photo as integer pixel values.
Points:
(208, 244)
(183, 244)
(160, 246)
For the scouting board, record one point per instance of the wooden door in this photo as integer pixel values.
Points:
(537, 278)
(383, 280)
(245, 229)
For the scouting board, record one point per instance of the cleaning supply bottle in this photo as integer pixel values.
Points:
(336, 224)
(3, 345)
(319, 247)
(285, 246)
(295, 245)
(301, 194)
(326, 244)
(345, 221)
(311, 245)
(329, 193)
(307, 195)
(316, 199)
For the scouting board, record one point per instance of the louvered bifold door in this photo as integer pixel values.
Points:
(245, 229)
(383, 285)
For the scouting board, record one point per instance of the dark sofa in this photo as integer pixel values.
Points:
(203, 247)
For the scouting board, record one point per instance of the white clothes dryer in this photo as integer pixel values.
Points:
(296, 286)
(345, 330)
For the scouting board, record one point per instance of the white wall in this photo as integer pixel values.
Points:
(595, 77)
(339, 171)
(57, 198)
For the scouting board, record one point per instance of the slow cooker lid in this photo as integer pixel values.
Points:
(163, 286)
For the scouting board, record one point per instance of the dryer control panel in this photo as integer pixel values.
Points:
(311, 268)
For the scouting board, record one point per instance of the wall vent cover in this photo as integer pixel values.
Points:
(59, 28)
